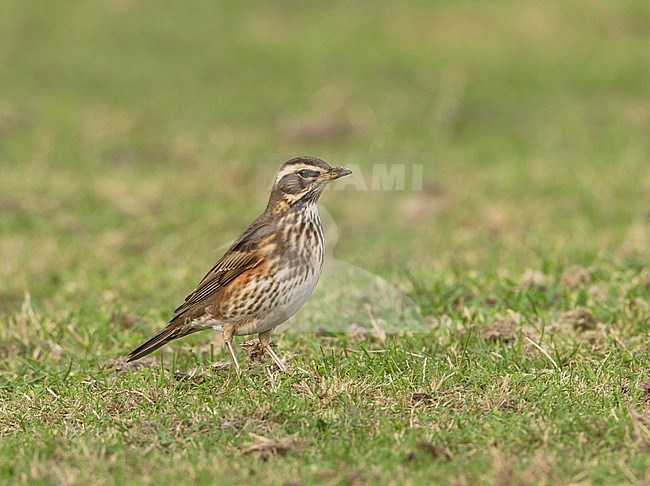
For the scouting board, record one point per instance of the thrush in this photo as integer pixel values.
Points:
(268, 273)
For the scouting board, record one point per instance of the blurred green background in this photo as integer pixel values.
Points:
(137, 138)
(136, 134)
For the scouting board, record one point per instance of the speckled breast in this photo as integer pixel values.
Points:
(291, 276)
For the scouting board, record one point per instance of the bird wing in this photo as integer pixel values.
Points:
(240, 257)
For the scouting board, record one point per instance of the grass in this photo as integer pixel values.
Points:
(138, 138)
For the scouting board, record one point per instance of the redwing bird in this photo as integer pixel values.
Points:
(268, 273)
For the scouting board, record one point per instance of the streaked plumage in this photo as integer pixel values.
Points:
(270, 270)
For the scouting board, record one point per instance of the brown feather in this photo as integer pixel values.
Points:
(169, 333)
(239, 258)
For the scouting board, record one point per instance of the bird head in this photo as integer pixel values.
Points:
(302, 180)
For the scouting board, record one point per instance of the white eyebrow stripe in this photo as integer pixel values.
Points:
(292, 169)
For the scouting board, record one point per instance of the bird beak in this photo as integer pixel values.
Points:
(337, 173)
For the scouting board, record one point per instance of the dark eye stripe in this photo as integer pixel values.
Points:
(305, 174)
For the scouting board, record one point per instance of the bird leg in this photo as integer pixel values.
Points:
(265, 341)
(227, 338)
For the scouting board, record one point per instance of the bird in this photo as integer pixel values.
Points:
(269, 271)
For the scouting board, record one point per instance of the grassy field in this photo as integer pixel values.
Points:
(492, 326)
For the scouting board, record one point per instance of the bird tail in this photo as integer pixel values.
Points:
(169, 333)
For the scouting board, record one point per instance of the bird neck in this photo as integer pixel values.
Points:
(280, 202)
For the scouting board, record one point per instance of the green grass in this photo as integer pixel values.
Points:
(138, 138)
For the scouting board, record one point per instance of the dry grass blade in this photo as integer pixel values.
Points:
(264, 447)
(543, 351)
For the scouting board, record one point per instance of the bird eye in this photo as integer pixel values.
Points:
(304, 173)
